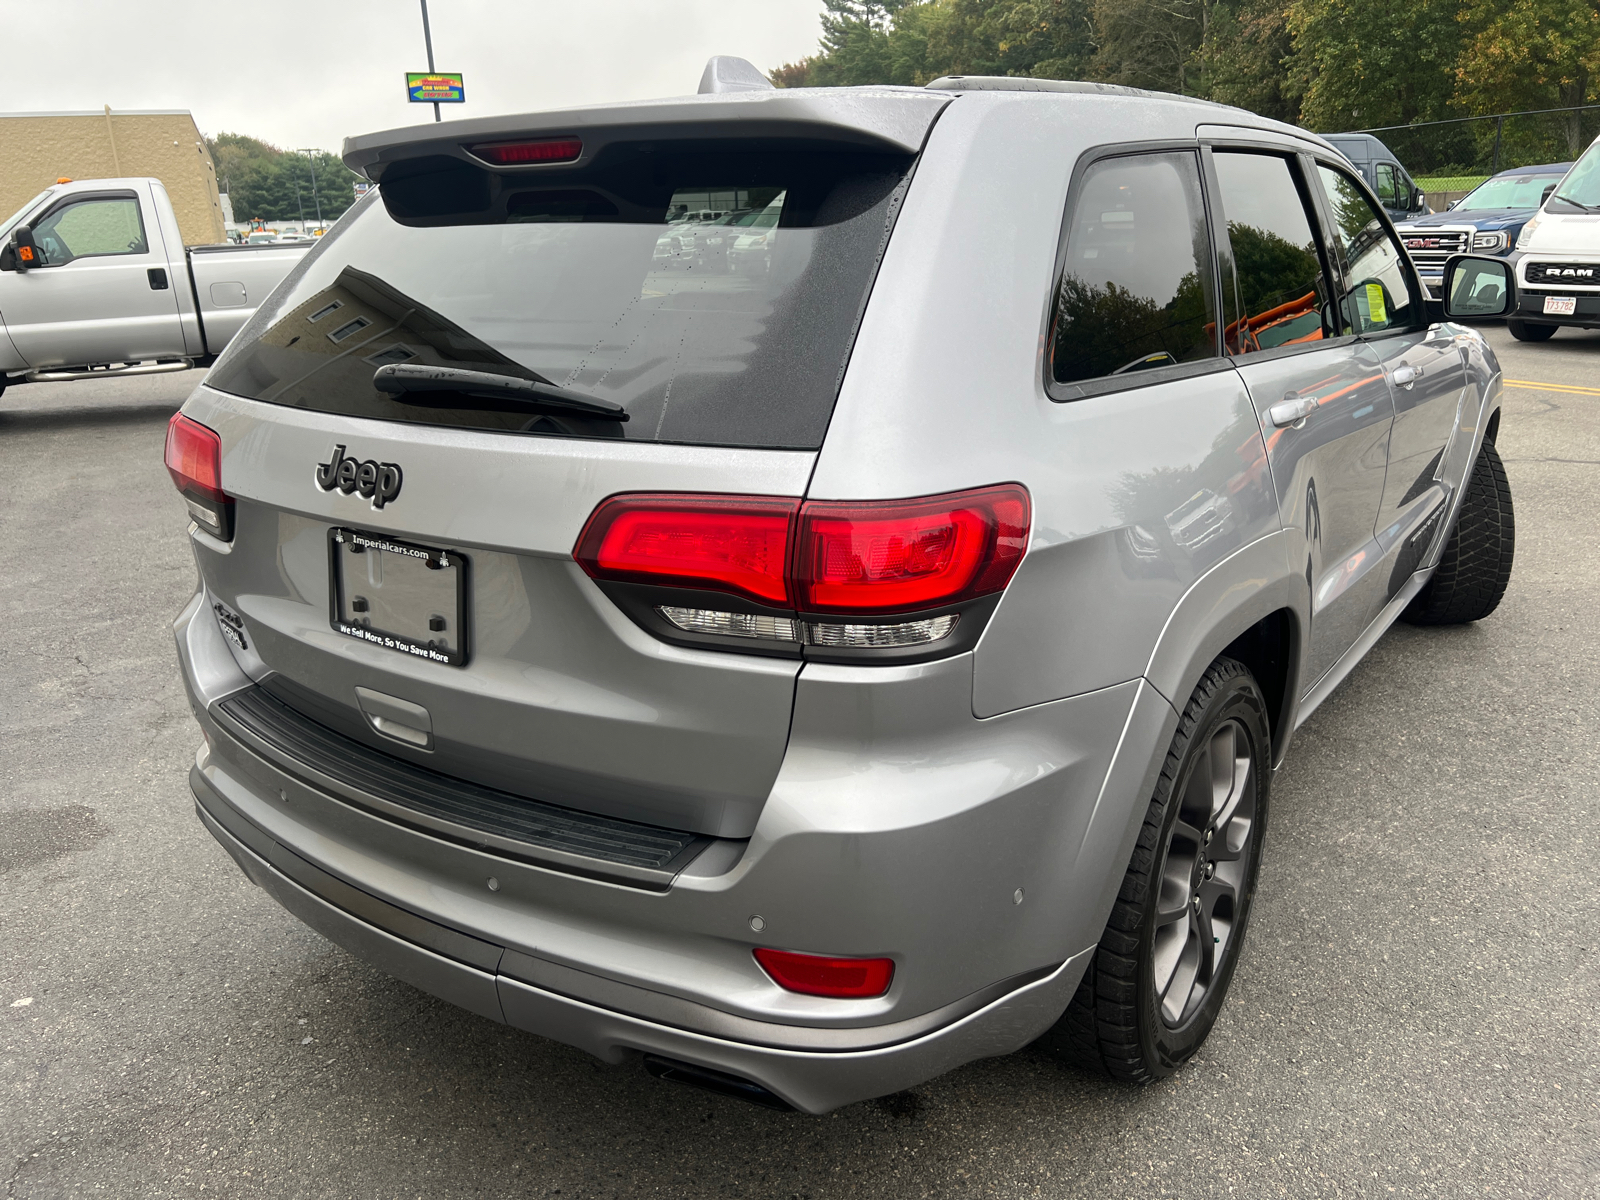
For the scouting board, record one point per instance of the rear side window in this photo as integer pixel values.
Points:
(90, 228)
(1377, 286)
(710, 295)
(1279, 293)
(1136, 291)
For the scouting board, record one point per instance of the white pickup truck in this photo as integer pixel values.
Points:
(95, 279)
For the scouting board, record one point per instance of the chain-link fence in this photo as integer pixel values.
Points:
(1450, 158)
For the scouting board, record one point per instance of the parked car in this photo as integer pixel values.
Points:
(1558, 257)
(811, 685)
(1401, 198)
(94, 276)
(1486, 220)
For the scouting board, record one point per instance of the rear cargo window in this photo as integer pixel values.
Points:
(709, 296)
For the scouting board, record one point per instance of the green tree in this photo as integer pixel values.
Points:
(269, 184)
(1359, 64)
(1530, 54)
(1244, 57)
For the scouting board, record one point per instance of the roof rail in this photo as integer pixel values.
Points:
(724, 73)
(1017, 83)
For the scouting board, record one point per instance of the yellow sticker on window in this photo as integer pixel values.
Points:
(1376, 311)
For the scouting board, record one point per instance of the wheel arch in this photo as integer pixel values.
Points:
(1251, 608)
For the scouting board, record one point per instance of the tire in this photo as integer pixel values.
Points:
(1127, 1019)
(1524, 332)
(1476, 565)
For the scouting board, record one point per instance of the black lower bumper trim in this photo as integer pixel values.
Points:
(485, 818)
(708, 1080)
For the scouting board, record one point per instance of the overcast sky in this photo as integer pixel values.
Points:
(309, 74)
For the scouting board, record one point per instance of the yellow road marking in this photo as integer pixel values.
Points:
(1534, 385)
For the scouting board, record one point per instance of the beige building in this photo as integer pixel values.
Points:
(36, 149)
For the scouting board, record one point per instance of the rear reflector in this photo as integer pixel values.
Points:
(819, 975)
(733, 544)
(194, 460)
(869, 557)
(515, 154)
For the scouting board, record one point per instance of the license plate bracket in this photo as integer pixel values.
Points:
(1560, 306)
(398, 595)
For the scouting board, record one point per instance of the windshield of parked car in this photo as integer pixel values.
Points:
(1508, 191)
(590, 281)
(1582, 184)
(23, 211)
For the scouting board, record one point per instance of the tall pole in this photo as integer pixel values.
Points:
(311, 158)
(427, 38)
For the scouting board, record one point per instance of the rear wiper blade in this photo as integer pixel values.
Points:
(400, 378)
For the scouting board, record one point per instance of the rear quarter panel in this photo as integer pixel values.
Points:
(1137, 495)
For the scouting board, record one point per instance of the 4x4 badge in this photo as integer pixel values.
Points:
(378, 482)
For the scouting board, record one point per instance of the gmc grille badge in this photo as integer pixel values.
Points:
(376, 481)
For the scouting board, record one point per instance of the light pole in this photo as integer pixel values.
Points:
(311, 159)
(427, 39)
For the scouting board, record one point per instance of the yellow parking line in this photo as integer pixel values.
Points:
(1534, 385)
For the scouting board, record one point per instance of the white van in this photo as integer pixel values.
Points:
(1558, 257)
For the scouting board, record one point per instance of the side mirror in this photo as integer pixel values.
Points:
(1474, 287)
(1545, 195)
(1419, 200)
(24, 255)
(1449, 207)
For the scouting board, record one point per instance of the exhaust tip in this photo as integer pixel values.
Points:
(708, 1080)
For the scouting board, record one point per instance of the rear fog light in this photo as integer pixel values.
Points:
(821, 975)
(194, 459)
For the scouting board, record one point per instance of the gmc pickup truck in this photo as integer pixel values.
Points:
(95, 279)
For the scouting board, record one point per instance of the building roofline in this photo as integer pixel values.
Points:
(100, 112)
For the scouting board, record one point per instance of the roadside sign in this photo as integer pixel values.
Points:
(362, 187)
(435, 87)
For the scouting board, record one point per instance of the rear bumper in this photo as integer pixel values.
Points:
(900, 825)
(482, 977)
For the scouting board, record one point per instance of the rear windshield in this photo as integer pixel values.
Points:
(712, 294)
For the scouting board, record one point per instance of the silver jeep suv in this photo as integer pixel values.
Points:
(856, 649)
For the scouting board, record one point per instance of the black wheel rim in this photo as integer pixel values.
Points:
(1203, 870)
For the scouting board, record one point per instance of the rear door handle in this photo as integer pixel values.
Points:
(1287, 412)
(1405, 375)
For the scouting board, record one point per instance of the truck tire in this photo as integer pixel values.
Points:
(1476, 564)
(1524, 332)
(1156, 982)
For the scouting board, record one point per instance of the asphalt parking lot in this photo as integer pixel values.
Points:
(1415, 1013)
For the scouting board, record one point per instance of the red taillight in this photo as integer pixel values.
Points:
(820, 975)
(868, 557)
(904, 555)
(194, 459)
(734, 544)
(515, 154)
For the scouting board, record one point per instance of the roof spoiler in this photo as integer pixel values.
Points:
(881, 120)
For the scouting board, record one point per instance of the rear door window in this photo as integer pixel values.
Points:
(710, 295)
(1136, 291)
(1279, 294)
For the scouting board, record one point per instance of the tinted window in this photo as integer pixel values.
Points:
(91, 227)
(1388, 187)
(1281, 294)
(1136, 291)
(1377, 287)
(712, 295)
